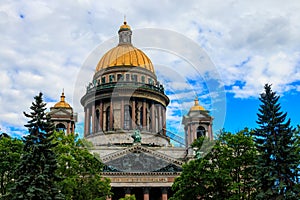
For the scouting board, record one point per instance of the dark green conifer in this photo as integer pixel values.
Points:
(36, 172)
(278, 160)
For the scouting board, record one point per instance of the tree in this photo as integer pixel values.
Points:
(224, 173)
(36, 172)
(10, 157)
(278, 160)
(129, 197)
(80, 170)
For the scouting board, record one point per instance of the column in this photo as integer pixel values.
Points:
(87, 122)
(164, 193)
(146, 193)
(210, 135)
(153, 117)
(122, 114)
(108, 198)
(133, 114)
(159, 119)
(188, 135)
(164, 120)
(68, 128)
(144, 115)
(73, 127)
(101, 116)
(111, 116)
(191, 133)
(93, 119)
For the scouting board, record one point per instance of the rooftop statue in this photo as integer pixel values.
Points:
(136, 136)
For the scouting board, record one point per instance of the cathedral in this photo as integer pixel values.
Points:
(125, 120)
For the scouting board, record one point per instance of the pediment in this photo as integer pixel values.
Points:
(59, 112)
(140, 159)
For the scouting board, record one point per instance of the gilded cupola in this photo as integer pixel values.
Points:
(125, 54)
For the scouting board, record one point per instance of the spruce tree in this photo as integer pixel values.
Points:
(278, 160)
(36, 172)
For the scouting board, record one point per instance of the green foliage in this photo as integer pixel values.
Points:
(10, 156)
(224, 173)
(36, 172)
(128, 197)
(79, 169)
(278, 159)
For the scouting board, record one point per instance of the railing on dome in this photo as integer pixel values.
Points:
(121, 84)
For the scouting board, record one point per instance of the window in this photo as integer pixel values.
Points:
(150, 81)
(143, 79)
(103, 79)
(127, 77)
(127, 117)
(111, 78)
(200, 131)
(134, 77)
(120, 77)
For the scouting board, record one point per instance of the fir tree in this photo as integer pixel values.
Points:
(278, 159)
(36, 172)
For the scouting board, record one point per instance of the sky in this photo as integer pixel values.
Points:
(221, 51)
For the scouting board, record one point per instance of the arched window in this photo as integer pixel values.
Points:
(127, 117)
(107, 128)
(200, 131)
(60, 127)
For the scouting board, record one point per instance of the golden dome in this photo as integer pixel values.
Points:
(125, 55)
(197, 107)
(62, 103)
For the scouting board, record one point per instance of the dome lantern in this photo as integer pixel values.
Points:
(125, 34)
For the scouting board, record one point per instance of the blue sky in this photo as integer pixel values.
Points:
(47, 46)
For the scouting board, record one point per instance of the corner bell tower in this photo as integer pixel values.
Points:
(62, 116)
(197, 123)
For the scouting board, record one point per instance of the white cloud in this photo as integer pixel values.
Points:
(44, 45)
